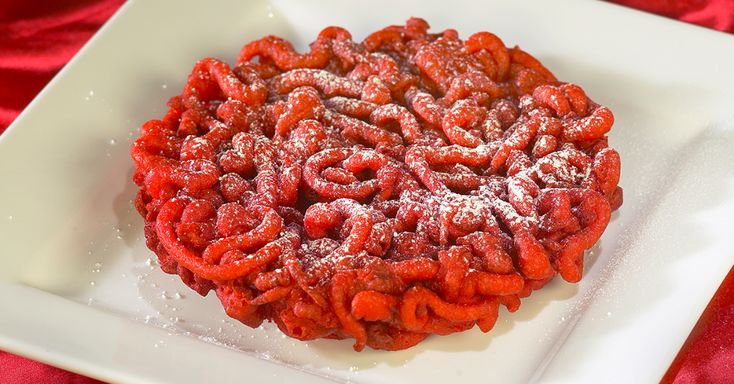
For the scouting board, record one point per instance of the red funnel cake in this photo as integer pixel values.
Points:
(382, 190)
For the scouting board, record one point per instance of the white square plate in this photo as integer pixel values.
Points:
(77, 289)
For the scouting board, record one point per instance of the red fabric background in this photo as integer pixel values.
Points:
(36, 41)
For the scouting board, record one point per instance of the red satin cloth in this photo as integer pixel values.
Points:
(36, 41)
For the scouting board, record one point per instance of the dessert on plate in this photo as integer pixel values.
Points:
(383, 190)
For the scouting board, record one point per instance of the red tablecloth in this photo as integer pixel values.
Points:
(37, 39)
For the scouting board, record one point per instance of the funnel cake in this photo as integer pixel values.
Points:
(382, 190)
